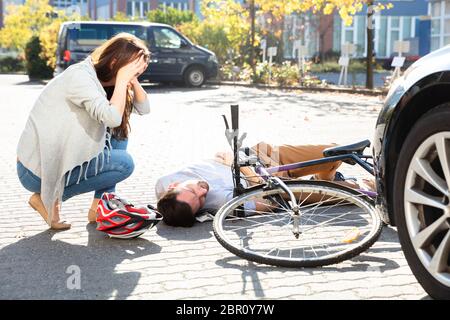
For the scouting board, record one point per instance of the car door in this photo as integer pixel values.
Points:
(168, 53)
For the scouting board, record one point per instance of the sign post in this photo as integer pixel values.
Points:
(398, 61)
(347, 50)
(271, 52)
(263, 47)
(301, 53)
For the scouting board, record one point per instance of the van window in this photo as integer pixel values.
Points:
(137, 31)
(166, 38)
(86, 37)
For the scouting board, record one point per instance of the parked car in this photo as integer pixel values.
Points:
(174, 58)
(412, 165)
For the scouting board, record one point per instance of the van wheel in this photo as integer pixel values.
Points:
(194, 77)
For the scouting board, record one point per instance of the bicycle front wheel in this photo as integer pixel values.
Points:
(336, 223)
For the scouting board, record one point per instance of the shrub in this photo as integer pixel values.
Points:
(11, 65)
(36, 67)
(286, 74)
(227, 73)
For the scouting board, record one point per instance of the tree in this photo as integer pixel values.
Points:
(225, 29)
(275, 10)
(23, 22)
(369, 61)
(171, 16)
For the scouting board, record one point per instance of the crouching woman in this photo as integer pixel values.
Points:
(76, 135)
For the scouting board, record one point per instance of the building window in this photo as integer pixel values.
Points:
(440, 24)
(137, 8)
(62, 3)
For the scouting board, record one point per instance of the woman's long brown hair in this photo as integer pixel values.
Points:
(108, 59)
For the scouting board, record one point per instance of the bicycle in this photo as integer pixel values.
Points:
(297, 223)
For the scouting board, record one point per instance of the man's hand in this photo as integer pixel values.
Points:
(225, 158)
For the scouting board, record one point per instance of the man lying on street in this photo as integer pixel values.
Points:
(208, 184)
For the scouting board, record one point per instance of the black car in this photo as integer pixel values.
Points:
(411, 151)
(174, 58)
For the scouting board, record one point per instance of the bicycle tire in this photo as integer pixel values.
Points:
(318, 187)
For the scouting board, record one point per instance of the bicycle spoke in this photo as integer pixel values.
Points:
(329, 217)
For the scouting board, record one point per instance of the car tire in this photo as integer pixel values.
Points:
(421, 201)
(194, 77)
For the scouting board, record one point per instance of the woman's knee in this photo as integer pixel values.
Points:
(123, 162)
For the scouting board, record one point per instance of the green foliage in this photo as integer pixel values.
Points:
(171, 16)
(36, 67)
(121, 17)
(224, 30)
(209, 35)
(23, 22)
(11, 65)
(356, 66)
(286, 74)
(228, 72)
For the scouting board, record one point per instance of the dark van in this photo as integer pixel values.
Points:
(174, 58)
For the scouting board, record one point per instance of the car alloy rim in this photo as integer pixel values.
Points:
(427, 205)
(196, 77)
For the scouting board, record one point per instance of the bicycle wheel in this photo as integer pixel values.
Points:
(336, 224)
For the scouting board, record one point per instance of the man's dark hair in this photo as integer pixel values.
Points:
(175, 213)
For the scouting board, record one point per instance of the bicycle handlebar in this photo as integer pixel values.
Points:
(234, 116)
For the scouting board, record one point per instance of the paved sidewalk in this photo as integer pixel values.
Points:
(178, 263)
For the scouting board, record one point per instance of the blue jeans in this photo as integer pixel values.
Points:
(119, 167)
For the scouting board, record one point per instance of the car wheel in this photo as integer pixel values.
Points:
(194, 77)
(421, 201)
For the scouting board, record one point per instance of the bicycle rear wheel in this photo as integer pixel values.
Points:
(336, 224)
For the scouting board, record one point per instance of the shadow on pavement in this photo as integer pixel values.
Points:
(198, 232)
(37, 267)
(168, 88)
(250, 271)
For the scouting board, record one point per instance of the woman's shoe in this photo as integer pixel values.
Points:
(36, 203)
(60, 225)
(92, 216)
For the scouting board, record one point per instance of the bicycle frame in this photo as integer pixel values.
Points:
(235, 142)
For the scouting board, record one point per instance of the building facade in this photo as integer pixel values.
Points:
(407, 20)
(439, 10)
(107, 9)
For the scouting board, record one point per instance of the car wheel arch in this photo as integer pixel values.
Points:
(421, 100)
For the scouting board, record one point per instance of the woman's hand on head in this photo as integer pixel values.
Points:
(132, 70)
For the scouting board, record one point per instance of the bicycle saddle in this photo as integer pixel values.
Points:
(351, 148)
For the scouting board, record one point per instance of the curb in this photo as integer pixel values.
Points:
(352, 90)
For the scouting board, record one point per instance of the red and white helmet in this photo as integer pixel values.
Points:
(120, 219)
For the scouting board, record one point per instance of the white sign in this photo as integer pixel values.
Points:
(263, 44)
(301, 50)
(398, 62)
(348, 49)
(344, 61)
(272, 51)
(401, 46)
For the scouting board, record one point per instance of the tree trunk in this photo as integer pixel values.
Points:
(369, 59)
(252, 38)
